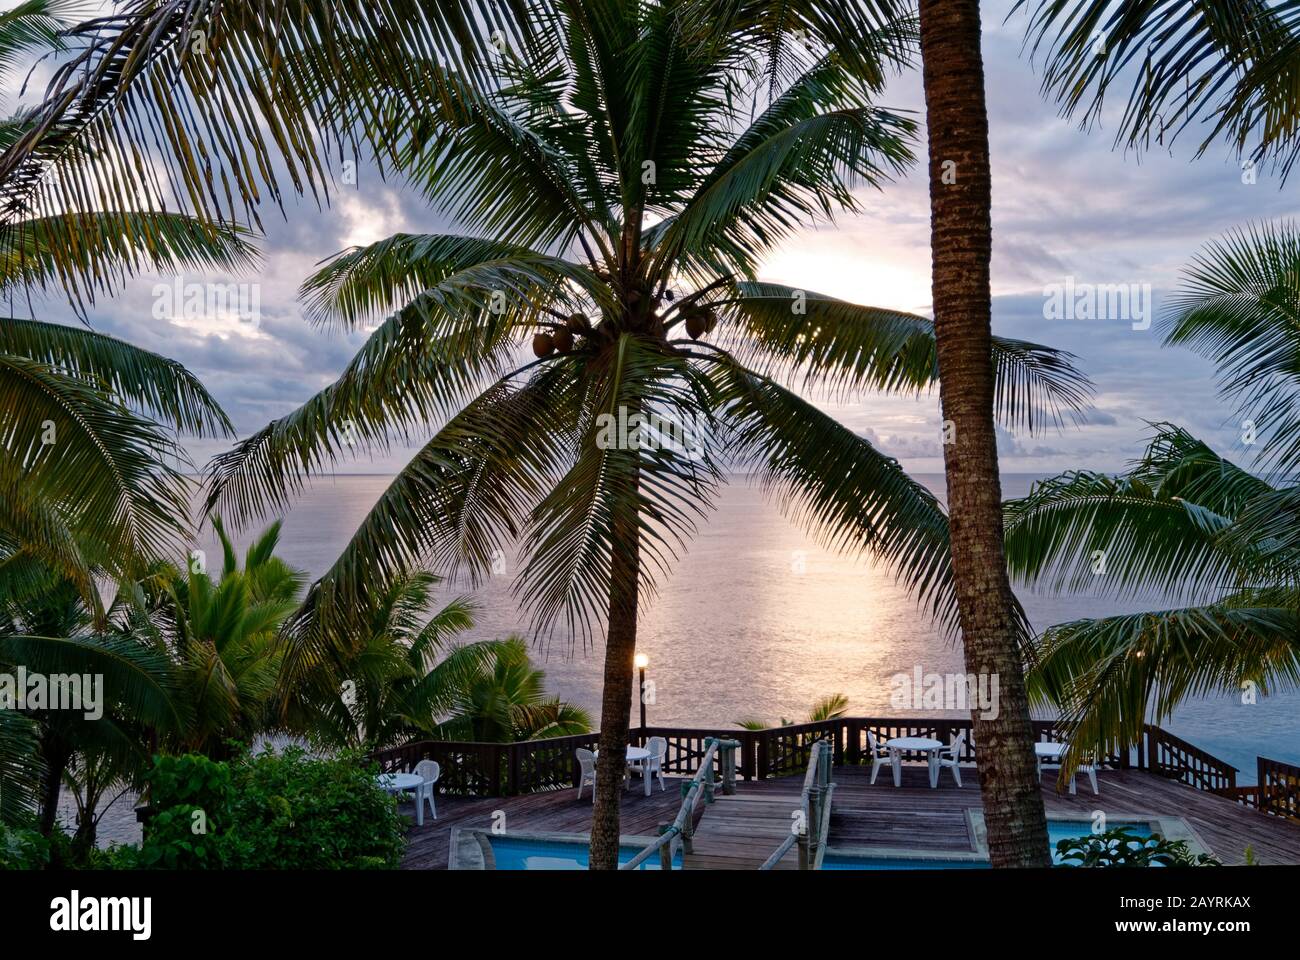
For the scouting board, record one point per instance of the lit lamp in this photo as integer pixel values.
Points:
(641, 661)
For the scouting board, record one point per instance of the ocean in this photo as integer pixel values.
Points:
(757, 621)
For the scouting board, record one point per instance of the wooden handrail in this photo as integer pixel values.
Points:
(814, 812)
(700, 788)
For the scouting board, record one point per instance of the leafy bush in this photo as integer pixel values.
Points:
(191, 795)
(292, 810)
(1121, 847)
(22, 849)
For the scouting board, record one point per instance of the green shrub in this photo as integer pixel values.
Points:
(1121, 847)
(191, 796)
(293, 811)
(22, 849)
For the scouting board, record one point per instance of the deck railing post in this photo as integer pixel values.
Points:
(665, 850)
(810, 828)
(729, 767)
(1261, 783)
(708, 773)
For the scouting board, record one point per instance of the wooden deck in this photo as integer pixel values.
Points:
(739, 832)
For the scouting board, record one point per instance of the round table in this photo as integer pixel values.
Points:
(397, 782)
(1054, 753)
(636, 755)
(926, 745)
(1050, 751)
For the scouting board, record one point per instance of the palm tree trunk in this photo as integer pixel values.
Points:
(960, 245)
(55, 758)
(616, 697)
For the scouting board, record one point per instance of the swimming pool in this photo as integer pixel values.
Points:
(475, 849)
(1057, 830)
(518, 853)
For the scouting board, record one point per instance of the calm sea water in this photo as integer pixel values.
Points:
(757, 621)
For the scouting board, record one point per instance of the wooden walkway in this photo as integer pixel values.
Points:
(739, 832)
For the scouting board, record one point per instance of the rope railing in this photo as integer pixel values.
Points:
(699, 789)
(812, 827)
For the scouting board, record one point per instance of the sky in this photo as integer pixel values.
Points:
(1065, 205)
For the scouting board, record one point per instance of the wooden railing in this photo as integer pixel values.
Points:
(1276, 789)
(1174, 758)
(698, 790)
(509, 769)
(814, 823)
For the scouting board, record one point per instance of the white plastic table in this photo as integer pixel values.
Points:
(636, 755)
(1054, 752)
(926, 745)
(397, 782)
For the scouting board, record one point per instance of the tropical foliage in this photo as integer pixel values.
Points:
(504, 700)
(269, 811)
(615, 188)
(409, 678)
(1184, 522)
(831, 707)
(1121, 847)
(1226, 67)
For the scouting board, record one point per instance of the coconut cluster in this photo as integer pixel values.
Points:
(561, 339)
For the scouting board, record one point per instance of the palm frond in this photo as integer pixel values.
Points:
(841, 345)
(1110, 676)
(108, 467)
(152, 384)
(1159, 529)
(88, 252)
(1239, 305)
(1228, 68)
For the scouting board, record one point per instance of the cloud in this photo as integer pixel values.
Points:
(1064, 204)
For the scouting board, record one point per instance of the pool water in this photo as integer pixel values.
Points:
(1057, 830)
(832, 862)
(514, 853)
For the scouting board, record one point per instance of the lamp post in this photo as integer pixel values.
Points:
(642, 661)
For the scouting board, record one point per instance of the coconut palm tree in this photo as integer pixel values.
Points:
(615, 198)
(55, 632)
(404, 675)
(1183, 521)
(960, 250)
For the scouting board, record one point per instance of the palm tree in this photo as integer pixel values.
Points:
(404, 673)
(1183, 521)
(90, 470)
(505, 700)
(960, 250)
(88, 480)
(614, 194)
(221, 632)
(53, 632)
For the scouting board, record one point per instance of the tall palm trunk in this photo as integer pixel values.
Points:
(55, 756)
(616, 696)
(961, 245)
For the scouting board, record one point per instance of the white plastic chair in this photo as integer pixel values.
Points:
(587, 761)
(428, 771)
(950, 756)
(1087, 766)
(879, 755)
(654, 764)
